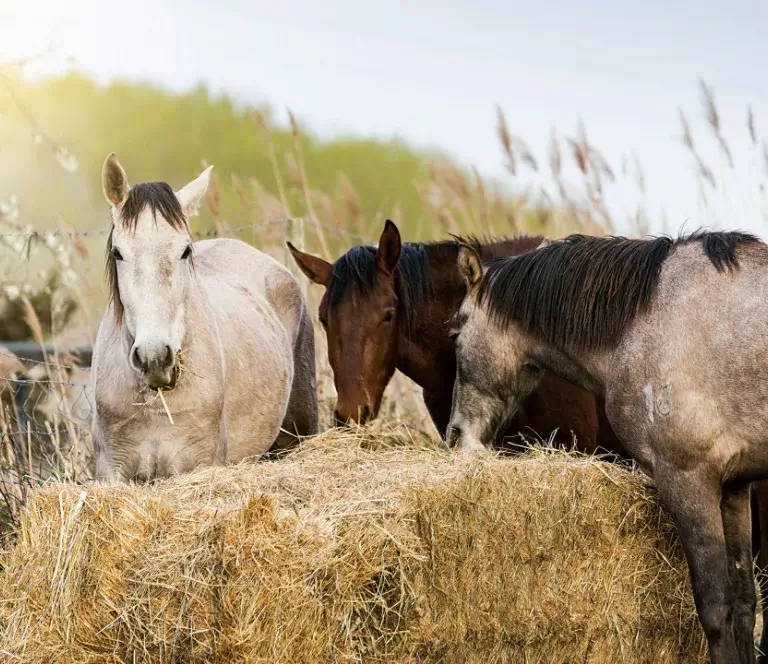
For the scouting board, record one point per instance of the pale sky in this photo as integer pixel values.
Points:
(433, 72)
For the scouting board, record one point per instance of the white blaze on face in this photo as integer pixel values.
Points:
(153, 274)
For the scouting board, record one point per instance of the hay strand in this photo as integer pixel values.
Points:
(165, 405)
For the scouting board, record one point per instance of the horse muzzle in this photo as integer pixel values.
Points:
(157, 364)
(458, 438)
(162, 379)
(364, 414)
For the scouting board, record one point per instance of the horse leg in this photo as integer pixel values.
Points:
(760, 522)
(737, 528)
(693, 500)
(606, 436)
(301, 414)
(439, 409)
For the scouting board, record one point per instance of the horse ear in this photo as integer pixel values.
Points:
(470, 266)
(544, 243)
(114, 182)
(388, 252)
(318, 271)
(190, 195)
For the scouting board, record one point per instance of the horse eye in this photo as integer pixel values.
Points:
(453, 335)
(187, 252)
(532, 368)
(388, 317)
(116, 254)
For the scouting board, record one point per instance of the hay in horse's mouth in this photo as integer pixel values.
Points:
(165, 405)
(181, 366)
(175, 376)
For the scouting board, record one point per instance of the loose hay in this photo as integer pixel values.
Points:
(360, 547)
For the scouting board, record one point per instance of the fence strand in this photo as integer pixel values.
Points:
(33, 235)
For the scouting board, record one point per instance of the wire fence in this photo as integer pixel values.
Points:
(46, 400)
(45, 418)
(38, 404)
(32, 235)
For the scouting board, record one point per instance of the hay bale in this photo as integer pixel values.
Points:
(360, 547)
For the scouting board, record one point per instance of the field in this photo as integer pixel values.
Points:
(271, 184)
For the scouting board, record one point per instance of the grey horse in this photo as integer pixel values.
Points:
(205, 354)
(674, 335)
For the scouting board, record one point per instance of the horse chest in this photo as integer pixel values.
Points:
(146, 440)
(156, 448)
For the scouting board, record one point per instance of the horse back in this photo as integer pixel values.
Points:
(694, 366)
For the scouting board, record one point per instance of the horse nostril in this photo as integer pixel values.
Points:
(168, 360)
(137, 361)
(454, 434)
(147, 359)
(365, 414)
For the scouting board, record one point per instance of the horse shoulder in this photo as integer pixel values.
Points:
(260, 286)
(677, 372)
(257, 313)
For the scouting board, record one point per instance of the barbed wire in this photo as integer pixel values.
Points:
(33, 235)
(43, 363)
(39, 413)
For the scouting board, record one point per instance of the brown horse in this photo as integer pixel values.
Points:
(389, 308)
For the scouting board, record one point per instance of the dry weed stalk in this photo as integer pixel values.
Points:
(303, 183)
(703, 171)
(751, 126)
(713, 118)
(267, 135)
(515, 148)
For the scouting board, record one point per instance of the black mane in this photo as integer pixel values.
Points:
(355, 273)
(583, 292)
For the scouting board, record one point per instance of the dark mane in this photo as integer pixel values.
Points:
(159, 197)
(355, 272)
(583, 292)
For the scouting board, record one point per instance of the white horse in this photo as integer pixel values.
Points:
(205, 354)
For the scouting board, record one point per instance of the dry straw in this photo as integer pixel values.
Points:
(365, 546)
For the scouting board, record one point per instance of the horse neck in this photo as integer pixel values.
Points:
(425, 353)
(587, 369)
(202, 319)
